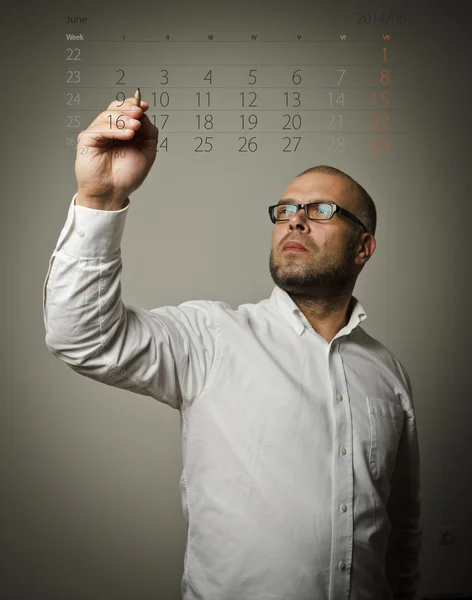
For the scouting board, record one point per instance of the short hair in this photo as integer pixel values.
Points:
(366, 212)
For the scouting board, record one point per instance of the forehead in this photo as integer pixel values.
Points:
(317, 186)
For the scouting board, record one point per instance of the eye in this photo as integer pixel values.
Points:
(284, 209)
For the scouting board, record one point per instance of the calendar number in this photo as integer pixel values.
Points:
(73, 121)
(206, 95)
(72, 99)
(207, 143)
(248, 122)
(339, 100)
(207, 123)
(120, 81)
(384, 76)
(384, 98)
(162, 146)
(244, 99)
(154, 122)
(74, 54)
(163, 99)
(292, 144)
(337, 144)
(120, 97)
(248, 145)
(293, 122)
(74, 77)
(378, 126)
(295, 98)
(333, 124)
(296, 77)
(381, 144)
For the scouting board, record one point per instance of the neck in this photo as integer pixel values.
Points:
(326, 316)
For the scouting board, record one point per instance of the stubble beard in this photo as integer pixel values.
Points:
(309, 280)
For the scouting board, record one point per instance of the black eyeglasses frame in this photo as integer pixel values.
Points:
(336, 209)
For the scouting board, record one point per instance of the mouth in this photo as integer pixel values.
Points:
(293, 247)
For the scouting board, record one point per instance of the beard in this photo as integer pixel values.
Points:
(325, 281)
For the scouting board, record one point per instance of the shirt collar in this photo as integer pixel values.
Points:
(284, 303)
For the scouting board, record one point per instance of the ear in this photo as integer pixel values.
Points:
(368, 244)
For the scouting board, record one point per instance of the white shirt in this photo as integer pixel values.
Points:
(301, 458)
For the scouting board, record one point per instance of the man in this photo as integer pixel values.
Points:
(299, 441)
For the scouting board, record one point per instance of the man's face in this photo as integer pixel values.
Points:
(328, 266)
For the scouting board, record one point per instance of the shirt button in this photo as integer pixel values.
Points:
(342, 565)
(343, 450)
(340, 397)
(80, 232)
(343, 507)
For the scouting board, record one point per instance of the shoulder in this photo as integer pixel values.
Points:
(388, 358)
(387, 365)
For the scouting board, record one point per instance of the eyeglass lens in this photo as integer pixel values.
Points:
(315, 211)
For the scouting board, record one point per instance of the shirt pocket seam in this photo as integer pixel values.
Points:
(383, 415)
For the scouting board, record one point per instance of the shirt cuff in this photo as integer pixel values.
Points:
(91, 233)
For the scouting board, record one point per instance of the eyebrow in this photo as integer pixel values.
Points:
(291, 200)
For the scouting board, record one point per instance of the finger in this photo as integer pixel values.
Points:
(99, 137)
(147, 133)
(120, 121)
(116, 110)
(117, 123)
(102, 131)
(127, 103)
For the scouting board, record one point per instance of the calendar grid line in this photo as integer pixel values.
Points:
(286, 133)
(252, 65)
(345, 42)
(238, 87)
(295, 110)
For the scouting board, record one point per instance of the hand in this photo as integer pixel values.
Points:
(114, 155)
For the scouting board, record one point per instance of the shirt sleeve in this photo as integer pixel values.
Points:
(404, 510)
(169, 353)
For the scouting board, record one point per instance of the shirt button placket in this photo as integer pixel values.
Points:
(343, 507)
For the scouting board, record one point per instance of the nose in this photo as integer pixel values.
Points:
(298, 219)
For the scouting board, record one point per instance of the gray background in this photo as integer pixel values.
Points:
(90, 499)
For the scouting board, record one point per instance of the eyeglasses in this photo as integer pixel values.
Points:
(315, 211)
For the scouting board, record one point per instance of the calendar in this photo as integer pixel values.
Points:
(331, 84)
